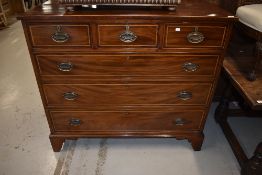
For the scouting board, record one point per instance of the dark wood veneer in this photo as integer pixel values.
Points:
(177, 35)
(126, 120)
(41, 35)
(108, 35)
(127, 94)
(127, 89)
(124, 65)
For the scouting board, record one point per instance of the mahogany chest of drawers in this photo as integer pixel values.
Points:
(127, 73)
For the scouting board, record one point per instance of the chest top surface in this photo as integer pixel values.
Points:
(189, 9)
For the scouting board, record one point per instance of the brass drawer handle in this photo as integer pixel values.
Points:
(184, 95)
(127, 36)
(65, 66)
(195, 37)
(190, 67)
(59, 36)
(70, 95)
(74, 122)
(180, 122)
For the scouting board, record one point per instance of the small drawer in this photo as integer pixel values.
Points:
(60, 35)
(94, 65)
(195, 36)
(126, 121)
(128, 35)
(127, 94)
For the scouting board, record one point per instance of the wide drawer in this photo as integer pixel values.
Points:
(94, 65)
(128, 35)
(126, 121)
(127, 94)
(194, 36)
(60, 35)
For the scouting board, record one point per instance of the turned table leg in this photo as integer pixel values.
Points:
(253, 166)
(57, 143)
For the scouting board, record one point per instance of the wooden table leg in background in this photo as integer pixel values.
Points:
(254, 165)
(247, 94)
(221, 116)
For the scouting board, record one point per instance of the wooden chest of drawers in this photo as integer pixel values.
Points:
(127, 73)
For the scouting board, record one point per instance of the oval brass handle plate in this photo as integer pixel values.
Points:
(195, 37)
(180, 122)
(74, 122)
(184, 95)
(59, 36)
(127, 36)
(70, 95)
(65, 66)
(190, 67)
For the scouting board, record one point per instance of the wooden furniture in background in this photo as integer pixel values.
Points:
(28, 4)
(4, 10)
(249, 96)
(127, 72)
(252, 32)
(17, 6)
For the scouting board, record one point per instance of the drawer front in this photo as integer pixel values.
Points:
(191, 65)
(126, 121)
(128, 35)
(60, 35)
(195, 36)
(127, 94)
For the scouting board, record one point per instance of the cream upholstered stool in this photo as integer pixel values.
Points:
(250, 18)
(251, 15)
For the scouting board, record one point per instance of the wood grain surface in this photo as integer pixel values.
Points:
(143, 65)
(127, 89)
(251, 91)
(127, 94)
(126, 121)
(78, 35)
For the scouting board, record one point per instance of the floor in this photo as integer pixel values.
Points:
(24, 144)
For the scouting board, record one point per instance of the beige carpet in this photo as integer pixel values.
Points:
(159, 156)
